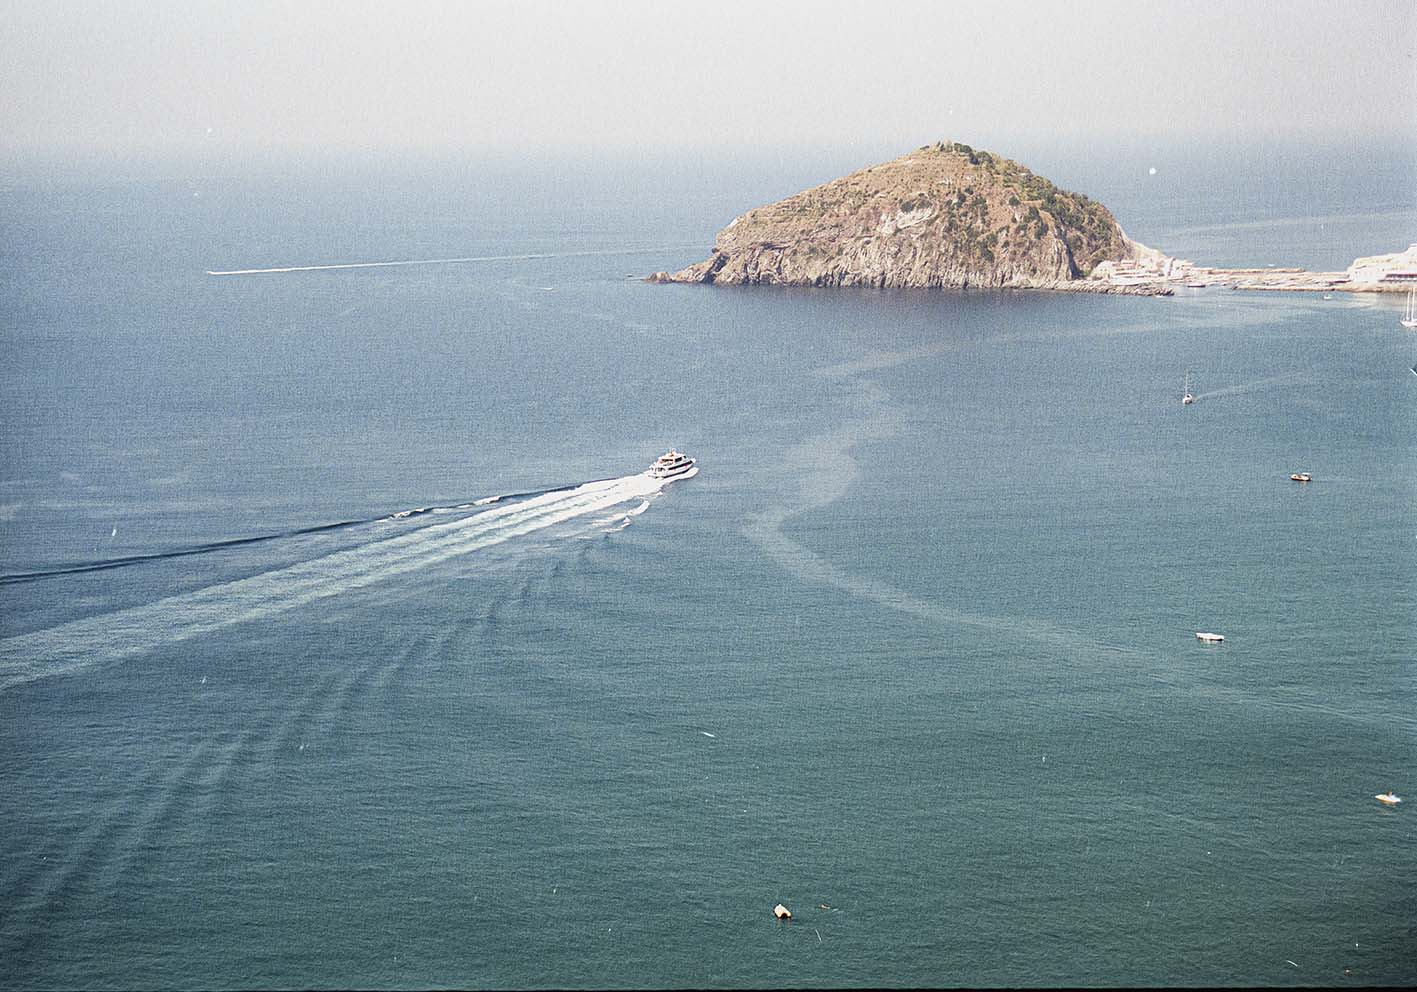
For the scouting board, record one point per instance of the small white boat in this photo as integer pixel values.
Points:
(1302, 477)
(1388, 798)
(1207, 637)
(1409, 316)
(1186, 398)
(671, 465)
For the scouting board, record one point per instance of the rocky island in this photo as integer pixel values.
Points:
(948, 215)
(945, 215)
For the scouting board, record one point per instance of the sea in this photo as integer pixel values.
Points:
(343, 642)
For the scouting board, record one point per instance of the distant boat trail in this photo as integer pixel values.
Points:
(447, 261)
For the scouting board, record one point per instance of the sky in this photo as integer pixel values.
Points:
(156, 77)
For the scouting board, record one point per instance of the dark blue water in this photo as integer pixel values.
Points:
(913, 654)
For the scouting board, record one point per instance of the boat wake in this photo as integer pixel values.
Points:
(1255, 384)
(211, 547)
(462, 259)
(132, 631)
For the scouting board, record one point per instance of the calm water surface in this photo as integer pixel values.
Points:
(913, 654)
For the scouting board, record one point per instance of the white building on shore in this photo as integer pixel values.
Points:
(1399, 267)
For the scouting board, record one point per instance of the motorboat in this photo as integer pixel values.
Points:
(671, 465)
(1388, 798)
(1207, 637)
(1302, 477)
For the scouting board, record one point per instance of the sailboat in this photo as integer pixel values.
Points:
(1186, 398)
(1409, 316)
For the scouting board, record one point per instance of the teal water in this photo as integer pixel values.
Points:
(914, 653)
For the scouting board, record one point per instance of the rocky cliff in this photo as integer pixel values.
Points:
(945, 215)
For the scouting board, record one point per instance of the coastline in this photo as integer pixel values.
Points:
(1393, 273)
(1288, 280)
(1158, 281)
(1272, 280)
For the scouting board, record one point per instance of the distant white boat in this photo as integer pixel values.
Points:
(1209, 638)
(1186, 398)
(1302, 477)
(1409, 315)
(1388, 798)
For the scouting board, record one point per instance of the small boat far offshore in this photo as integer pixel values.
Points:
(1206, 637)
(1186, 398)
(1302, 477)
(672, 465)
(1388, 798)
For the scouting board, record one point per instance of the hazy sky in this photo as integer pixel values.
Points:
(144, 77)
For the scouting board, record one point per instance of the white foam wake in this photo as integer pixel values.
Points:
(81, 643)
(1254, 384)
(325, 267)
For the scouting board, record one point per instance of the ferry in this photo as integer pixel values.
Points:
(671, 465)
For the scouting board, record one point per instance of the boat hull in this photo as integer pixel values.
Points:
(686, 472)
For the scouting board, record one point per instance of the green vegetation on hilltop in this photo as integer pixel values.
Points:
(1087, 227)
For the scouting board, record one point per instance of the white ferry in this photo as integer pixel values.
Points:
(671, 465)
